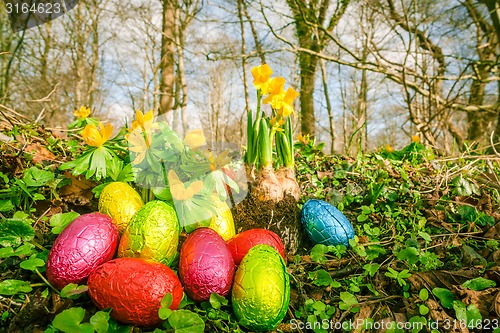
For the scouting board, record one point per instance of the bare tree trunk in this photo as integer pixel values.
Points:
(331, 121)
(307, 84)
(167, 63)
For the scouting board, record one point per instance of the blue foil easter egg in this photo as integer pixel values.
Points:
(325, 224)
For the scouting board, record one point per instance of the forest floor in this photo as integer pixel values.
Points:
(426, 256)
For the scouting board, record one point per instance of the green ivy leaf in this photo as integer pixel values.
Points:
(423, 309)
(217, 301)
(15, 231)
(318, 253)
(73, 291)
(445, 296)
(184, 321)
(423, 294)
(100, 321)
(69, 321)
(371, 269)
(12, 287)
(410, 254)
(32, 264)
(321, 277)
(60, 221)
(348, 300)
(35, 177)
(478, 284)
(474, 317)
(6, 205)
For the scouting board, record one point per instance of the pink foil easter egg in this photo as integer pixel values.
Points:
(87, 242)
(206, 265)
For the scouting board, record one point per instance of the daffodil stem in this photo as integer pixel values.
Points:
(266, 153)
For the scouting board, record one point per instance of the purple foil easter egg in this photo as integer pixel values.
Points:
(206, 265)
(89, 241)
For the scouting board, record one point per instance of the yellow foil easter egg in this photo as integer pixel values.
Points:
(223, 222)
(120, 201)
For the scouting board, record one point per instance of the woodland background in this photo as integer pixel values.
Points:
(370, 72)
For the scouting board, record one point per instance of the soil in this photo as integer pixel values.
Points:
(282, 217)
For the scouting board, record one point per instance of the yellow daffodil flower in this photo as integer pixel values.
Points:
(261, 75)
(144, 121)
(277, 121)
(282, 102)
(290, 96)
(274, 87)
(138, 145)
(195, 138)
(389, 148)
(82, 113)
(415, 138)
(97, 137)
(178, 188)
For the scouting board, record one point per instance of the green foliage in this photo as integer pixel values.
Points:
(479, 283)
(73, 291)
(12, 287)
(60, 221)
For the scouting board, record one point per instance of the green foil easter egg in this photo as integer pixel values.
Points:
(261, 289)
(152, 233)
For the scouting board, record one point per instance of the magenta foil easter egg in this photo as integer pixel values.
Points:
(89, 241)
(206, 265)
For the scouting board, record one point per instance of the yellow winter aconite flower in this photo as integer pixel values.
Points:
(83, 112)
(261, 75)
(389, 148)
(144, 121)
(97, 137)
(304, 139)
(178, 188)
(138, 145)
(195, 138)
(415, 138)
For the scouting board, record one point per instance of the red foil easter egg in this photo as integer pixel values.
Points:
(87, 242)
(243, 242)
(206, 265)
(134, 288)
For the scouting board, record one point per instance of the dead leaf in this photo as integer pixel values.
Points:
(41, 153)
(79, 192)
(496, 305)
(493, 232)
(323, 174)
(399, 318)
(442, 279)
(364, 312)
(438, 315)
(482, 299)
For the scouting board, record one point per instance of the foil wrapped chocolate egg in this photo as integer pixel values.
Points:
(87, 242)
(261, 289)
(244, 241)
(222, 222)
(120, 201)
(325, 224)
(152, 233)
(205, 265)
(133, 288)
